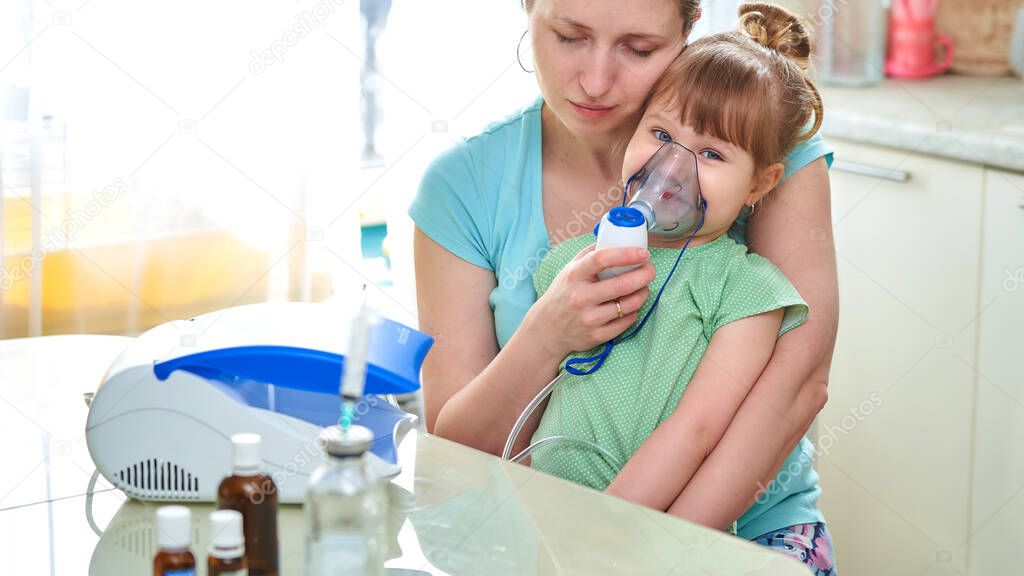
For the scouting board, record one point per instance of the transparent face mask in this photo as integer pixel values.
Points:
(666, 190)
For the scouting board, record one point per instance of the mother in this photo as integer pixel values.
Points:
(488, 210)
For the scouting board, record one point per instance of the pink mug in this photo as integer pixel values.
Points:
(912, 48)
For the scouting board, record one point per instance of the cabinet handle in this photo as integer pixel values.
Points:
(873, 171)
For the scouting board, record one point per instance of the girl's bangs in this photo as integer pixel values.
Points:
(717, 95)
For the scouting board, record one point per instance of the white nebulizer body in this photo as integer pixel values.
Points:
(622, 227)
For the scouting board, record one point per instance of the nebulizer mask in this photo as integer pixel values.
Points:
(666, 202)
(666, 191)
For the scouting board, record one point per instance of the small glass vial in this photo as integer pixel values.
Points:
(346, 509)
(174, 539)
(254, 494)
(227, 551)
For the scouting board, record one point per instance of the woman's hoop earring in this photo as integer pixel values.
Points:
(519, 48)
(752, 208)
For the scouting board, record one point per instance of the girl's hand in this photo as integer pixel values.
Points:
(578, 310)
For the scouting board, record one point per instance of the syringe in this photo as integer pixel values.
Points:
(353, 379)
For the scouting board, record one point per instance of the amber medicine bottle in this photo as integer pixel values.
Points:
(174, 539)
(254, 494)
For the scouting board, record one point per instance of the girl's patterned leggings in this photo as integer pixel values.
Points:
(811, 544)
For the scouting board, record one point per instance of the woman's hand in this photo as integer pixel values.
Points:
(578, 310)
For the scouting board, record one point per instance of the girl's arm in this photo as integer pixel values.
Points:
(665, 462)
(794, 230)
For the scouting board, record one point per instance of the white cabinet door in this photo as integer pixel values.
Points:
(894, 440)
(997, 542)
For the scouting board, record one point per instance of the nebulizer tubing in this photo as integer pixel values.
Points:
(506, 453)
(599, 359)
(612, 460)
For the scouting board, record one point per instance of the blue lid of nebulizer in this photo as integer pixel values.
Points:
(624, 217)
(303, 382)
(395, 355)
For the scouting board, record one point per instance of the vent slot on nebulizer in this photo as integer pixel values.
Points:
(158, 479)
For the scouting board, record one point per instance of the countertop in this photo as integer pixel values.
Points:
(454, 510)
(971, 119)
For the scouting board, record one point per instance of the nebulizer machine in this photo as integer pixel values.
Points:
(160, 423)
(666, 202)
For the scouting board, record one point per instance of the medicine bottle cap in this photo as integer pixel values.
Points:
(228, 540)
(246, 454)
(173, 528)
(355, 442)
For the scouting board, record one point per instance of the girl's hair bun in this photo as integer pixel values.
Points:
(776, 28)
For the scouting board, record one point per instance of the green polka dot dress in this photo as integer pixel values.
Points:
(639, 385)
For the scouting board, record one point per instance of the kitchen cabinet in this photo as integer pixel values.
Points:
(997, 503)
(895, 440)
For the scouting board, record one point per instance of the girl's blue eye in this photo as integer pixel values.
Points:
(641, 53)
(711, 155)
(565, 39)
(662, 135)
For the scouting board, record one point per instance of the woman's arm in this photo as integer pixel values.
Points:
(793, 230)
(666, 461)
(452, 297)
(472, 391)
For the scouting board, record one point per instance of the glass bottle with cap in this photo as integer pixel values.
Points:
(174, 539)
(346, 508)
(227, 551)
(254, 494)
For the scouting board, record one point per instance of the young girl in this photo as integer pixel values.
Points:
(740, 101)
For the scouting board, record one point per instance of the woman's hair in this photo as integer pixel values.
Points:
(688, 10)
(749, 87)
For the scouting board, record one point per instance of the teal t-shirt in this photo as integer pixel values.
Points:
(481, 200)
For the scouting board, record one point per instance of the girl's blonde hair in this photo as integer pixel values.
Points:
(749, 87)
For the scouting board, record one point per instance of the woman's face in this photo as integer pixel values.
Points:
(726, 172)
(596, 60)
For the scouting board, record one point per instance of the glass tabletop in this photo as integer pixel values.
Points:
(453, 510)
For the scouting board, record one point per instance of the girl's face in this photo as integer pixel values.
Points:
(596, 60)
(726, 172)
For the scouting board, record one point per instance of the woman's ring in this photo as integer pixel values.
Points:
(618, 308)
